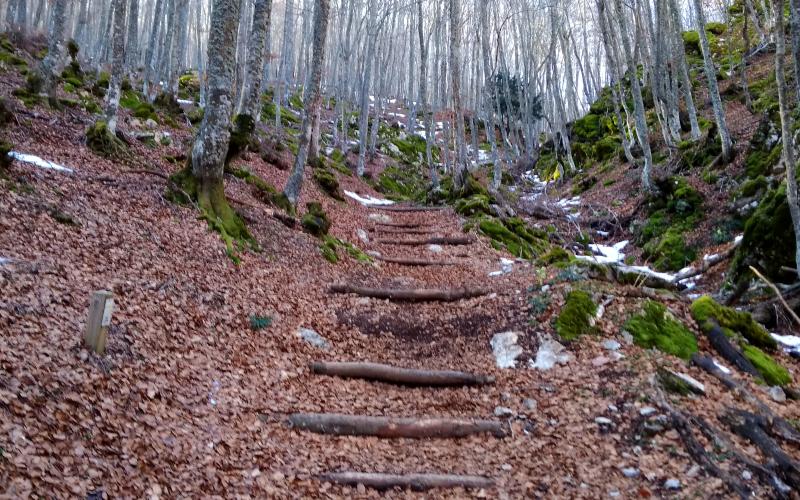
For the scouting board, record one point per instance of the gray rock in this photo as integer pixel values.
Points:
(630, 472)
(672, 484)
(150, 124)
(627, 337)
(502, 411)
(549, 354)
(647, 411)
(435, 248)
(313, 338)
(363, 236)
(777, 394)
(505, 349)
(613, 408)
(530, 404)
(611, 345)
(603, 421)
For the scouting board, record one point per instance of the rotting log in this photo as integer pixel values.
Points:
(777, 425)
(748, 426)
(396, 375)
(722, 345)
(417, 262)
(411, 295)
(437, 240)
(392, 208)
(418, 482)
(391, 428)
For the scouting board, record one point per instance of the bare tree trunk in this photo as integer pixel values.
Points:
(313, 99)
(786, 128)
(423, 98)
(794, 5)
(118, 67)
(460, 171)
(369, 55)
(132, 43)
(150, 57)
(179, 45)
(262, 16)
(50, 64)
(713, 88)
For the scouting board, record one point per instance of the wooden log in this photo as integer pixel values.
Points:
(417, 262)
(401, 224)
(390, 428)
(411, 295)
(392, 208)
(437, 240)
(100, 309)
(402, 376)
(418, 482)
(405, 231)
(722, 345)
(748, 426)
(777, 425)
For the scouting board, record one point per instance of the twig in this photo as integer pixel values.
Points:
(777, 292)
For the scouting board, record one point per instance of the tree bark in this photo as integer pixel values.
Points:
(417, 482)
(262, 17)
(393, 428)
(132, 42)
(118, 66)
(401, 376)
(312, 102)
(460, 171)
(150, 56)
(50, 64)
(411, 295)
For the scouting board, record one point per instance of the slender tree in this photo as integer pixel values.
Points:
(312, 101)
(461, 172)
(132, 41)
(118, 67)
(250, 102)
(55, 48)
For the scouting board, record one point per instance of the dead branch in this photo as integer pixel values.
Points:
(722, 345)
(412, 295)
(418, 482)
(707, 264)
(402, 376)
(390, 428)
(777, 293)
(417, 262)
(748, 426)
(776, 424)
(446, 240)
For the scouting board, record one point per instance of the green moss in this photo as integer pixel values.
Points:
(709, 313)
(555, 255)
(264, 190)
(241, 138)
(752, 187)
(670, 252)
(138, 105)
(412, 149)
(189, 86)
(102, 142)
(577, 317)
(316, 221)
(196, 116)
(296, 101)
(330, 246)
(214, 209)
(474, 205)
(167, 103)
(327, 182)
(588, 128)
(513, 235)
(406, 183)
(716, 28)
(771, 371)
(258, 322)
(657, 328)
(606, 148)
(674, 384)
(768, 242)
(760, 163)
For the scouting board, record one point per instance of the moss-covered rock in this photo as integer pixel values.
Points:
(102, 142)
(327, 182)
(670, 252)
(189, 86)
(577, 317)
(771, 371)
(264, 190)
(316, 221)
(768, 242)
(330, 246)
(513, 235)
(657, 328)
(708, 313)
(167, 103)
(556, 255)
(138, 105)
(474, 205)
(406, 183)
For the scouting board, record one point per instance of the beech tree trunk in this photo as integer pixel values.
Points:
(132, 42)
(50, 64)
(461, 167)
(118, 67)
(152, 46)
(312, 102)
(262, 17)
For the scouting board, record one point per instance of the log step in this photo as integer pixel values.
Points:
(417, 482)
(411, 295)
(402, 224)
(437, 240)
(417, 262)
(392, 208)
(406, 231)
(337, 424)
(402, 376)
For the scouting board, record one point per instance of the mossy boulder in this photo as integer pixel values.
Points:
(655, 327)
(189, 86)
(327, 182)
(513, 235)
(167, 103)
(102, 142)
(138, 105)
(577, 317)
(708, 313)
(474, 205)
(403, 183)
(771, 371)
(589, 128)
(768, 242)
(316, 221)
(264, 190)
(556, 255)
(606, 148)
(670, 252)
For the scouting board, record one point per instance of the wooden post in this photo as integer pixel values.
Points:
(100, 309)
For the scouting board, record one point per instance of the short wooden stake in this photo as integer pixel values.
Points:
(100, 310)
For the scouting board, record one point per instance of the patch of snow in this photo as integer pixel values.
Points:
(606, 254)
(604, 234)
(738, 239)
(185, 101)
(35, 160)
(506, 266)
(369, 200)
(724, 369)
(787, 340)
(435, 248)
(505, 349)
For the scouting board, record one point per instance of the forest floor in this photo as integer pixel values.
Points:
(190, 400)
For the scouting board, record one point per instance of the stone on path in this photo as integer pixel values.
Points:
(549, 354)
(505, 349)
(313, 338)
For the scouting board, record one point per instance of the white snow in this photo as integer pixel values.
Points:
(35, 160)
(4, 260)
(790, 342)
(505, 349)
(369, 200)
(724, 369)
(606, 255)
(506, 266)
(738, 239)
(397, 115)
(185, 101)
(549, 354)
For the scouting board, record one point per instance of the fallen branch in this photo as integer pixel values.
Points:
(417, 482)
(776, 424)
(390, 208)
(458, 240)
(778, 293)
(403, 376)
(417, 262)
(707, 264)
(412, 295)
(722, 345)
(390, 428)
(748, 426)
